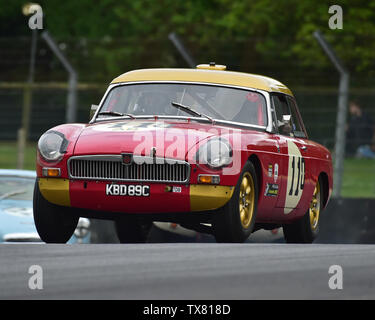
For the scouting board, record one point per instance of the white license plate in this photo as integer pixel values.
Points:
(132, 190)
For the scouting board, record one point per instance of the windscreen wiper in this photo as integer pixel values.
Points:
(116, 114)
(190, 111)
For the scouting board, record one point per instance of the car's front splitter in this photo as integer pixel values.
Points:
(159, 198)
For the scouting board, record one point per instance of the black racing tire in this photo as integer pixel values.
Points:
(302, 231)
(55, 224)
(132, 229)
(227, 224)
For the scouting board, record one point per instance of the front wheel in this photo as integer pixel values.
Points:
(306, 229)
(55, 224)
(235, 221)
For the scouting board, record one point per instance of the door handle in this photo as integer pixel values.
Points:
(303, 148)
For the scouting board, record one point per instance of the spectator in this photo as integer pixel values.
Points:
(360, 133)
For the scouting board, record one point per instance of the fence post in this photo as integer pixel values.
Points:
(340, 135)
(27, 101)
(21, 145)
(71, 105)
(181, 49)
(27, 93)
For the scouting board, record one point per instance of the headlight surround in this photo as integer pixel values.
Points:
(52, 145)
(216, 153)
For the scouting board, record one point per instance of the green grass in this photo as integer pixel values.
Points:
(358, 180)
(8, 155)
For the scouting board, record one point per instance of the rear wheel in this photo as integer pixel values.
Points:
(132, 229)
(306, 229)
(235, 221)
(55, 224)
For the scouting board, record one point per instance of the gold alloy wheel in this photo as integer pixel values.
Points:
(314, 209)
(246, 200)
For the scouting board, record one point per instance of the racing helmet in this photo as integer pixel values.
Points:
(152, 102)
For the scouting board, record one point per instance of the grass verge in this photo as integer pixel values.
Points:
(358, 179)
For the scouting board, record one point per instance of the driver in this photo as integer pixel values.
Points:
(285, 128)
(150, 103)
(251, 111)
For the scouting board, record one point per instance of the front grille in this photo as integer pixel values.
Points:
(112, 168)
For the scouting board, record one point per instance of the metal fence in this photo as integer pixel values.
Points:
(99, 61)
(318, 107)
(48, 107)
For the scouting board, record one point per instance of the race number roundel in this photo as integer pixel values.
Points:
(296, 177)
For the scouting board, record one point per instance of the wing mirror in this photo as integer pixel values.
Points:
(286, 119)
(286, 127)
(93, 109)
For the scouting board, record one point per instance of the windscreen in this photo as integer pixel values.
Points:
(221, 103)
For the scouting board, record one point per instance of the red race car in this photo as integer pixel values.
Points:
(212, 150)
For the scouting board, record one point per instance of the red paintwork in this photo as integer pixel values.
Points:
(88, 139)
(93, 198)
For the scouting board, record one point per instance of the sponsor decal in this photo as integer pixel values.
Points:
(127, 190)
(176, 189)
(173, 189)
(276, 172)
(270, 170)
(272, 190)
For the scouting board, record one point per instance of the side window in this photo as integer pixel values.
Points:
(297, 125)
(286, 106)
(281, 108)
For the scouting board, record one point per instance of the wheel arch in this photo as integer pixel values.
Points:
(325, 184)
(258, 170)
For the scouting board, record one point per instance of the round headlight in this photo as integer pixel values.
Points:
(216, 153)
(52, 145)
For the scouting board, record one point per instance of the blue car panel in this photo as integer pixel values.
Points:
(16, 209)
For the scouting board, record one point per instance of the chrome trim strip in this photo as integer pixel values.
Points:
(139, 160)
(269, 128)
(220, 122)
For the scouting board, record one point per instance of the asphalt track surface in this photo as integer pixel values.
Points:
(187, 271)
